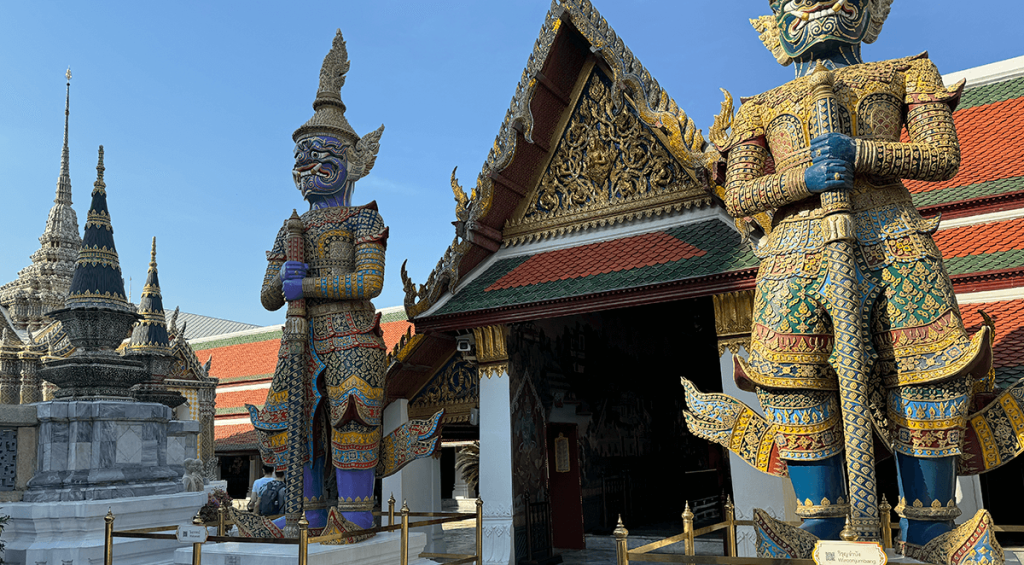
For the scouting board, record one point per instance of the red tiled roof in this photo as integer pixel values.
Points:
(1008, 316)
(243, 360)
(623, 254)
(990, 145)
(981, 238)
(393, 331)
(240, 436)
(241, 398)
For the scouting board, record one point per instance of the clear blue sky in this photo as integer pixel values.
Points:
(195, 103)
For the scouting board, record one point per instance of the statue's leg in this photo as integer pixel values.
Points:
(928, 422)
(313, 493)
(355, 447)
(810, 440)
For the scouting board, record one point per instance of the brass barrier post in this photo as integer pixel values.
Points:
(621, 544)
(197, 548)
(730, 532)
(303, 539)
(391, 510)
(108, 538)
(479, 531)
(220, 520)
(688, 530)
(405, 533)
(884, 510)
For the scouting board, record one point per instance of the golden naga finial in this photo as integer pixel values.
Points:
(718, 133)
(462, 202)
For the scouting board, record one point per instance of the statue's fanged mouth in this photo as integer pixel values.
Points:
(804, 14)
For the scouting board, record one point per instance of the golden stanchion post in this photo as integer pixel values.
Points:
(197, 548)
(108, 538)
(884, 510)
(621, 544)
(479, 531)
(730, 532)
(688, 530)
(391, 510)
(220, 520)
(303, 539)
(405, 533)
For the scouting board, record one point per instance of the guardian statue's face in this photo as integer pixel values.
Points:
(321, 166)
(808, 24)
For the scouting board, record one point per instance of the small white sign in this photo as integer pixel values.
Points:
(827, 552)
(192, 534)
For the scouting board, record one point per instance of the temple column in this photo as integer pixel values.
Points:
(31, 386)
(495, 444)
(10, 389)
(418, 483)
(206, 396)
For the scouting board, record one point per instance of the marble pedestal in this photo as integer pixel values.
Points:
(105, 449)
(382, 549)
(71, 533)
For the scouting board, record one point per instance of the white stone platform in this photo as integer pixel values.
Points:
(382, 549)
(71, 533)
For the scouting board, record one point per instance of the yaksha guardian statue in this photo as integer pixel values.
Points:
(856, 333)
(322, 419)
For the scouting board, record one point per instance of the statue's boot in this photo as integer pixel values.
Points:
(355, 496)
(971, 543)
(821, 500)
(780, 540)
(337, 524)
(927, 504)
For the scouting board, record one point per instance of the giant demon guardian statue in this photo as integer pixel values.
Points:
(322, 419)
(856, 331)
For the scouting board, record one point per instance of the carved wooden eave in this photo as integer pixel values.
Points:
(734, 312)
(455, 388)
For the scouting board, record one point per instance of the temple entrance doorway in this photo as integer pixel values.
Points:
(597, 422)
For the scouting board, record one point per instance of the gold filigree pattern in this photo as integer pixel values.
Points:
(608, 168)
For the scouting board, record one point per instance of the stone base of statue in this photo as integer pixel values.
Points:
(107, 449)
(63, 532)
(381, 549)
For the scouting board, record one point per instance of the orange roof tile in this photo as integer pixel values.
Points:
(990, 145)
(981, 238)
(241, 398)
(623, 254)
(1008, 315)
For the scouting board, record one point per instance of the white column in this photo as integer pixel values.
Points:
(751, 488)
(968, 497)
(418, 483)
(496, 466)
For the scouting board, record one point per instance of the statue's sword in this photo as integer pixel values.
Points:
(295, 336)
(845, 290)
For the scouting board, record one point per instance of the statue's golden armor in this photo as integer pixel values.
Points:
(917, 331)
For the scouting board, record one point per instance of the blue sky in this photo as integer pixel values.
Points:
(195, 104)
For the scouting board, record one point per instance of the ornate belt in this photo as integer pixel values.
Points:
(339, 307)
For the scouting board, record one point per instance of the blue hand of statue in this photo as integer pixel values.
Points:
(833, 146)
(831, 174)
(292, 273)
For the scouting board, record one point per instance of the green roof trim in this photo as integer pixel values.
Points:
(991, 93)
(250, 338)
(724, 249)
(977, 190)
(1008, 376)
(396, 316)
(985, 262)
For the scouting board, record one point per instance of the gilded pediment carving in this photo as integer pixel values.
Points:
(607, 168)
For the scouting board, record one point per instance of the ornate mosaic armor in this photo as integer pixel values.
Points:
(916, 329)
(344, 248)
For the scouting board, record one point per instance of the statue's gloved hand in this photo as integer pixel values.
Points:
(833, 146)
(831, 174)
(291, 274)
